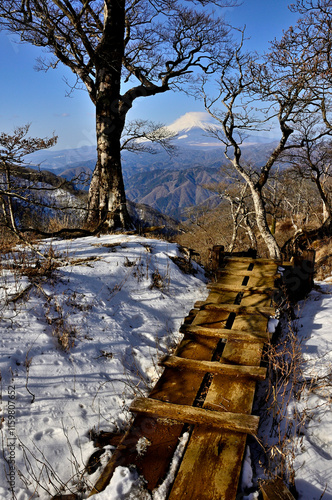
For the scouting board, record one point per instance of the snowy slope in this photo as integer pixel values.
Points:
(116, 306)
(313, 476)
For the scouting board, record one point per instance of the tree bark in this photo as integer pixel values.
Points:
(262, 224)
(107, 200)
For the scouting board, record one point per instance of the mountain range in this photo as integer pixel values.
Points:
(170, 184)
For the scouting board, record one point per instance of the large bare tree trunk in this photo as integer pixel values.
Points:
(107, 200)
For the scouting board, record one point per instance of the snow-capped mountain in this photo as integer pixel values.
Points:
(193, 119)
(192, 130)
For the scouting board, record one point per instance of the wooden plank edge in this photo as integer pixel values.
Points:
(250, 260)
(215, 367)
(238, 422)
(241, 288)
(251, 274)
(224, 333)
(239, 309)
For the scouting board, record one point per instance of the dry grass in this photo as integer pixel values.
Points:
(323, 264)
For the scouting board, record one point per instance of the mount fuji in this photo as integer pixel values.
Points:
(192, 132)
(193, 128)
(168, 184)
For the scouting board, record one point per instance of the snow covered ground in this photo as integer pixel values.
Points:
(77, 347)
(313, 460)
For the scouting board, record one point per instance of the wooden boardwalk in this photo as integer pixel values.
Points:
(207, 388)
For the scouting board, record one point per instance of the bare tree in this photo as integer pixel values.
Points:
(285, 96)
(313, 160)
(309, 44)
(237, 195)
(142, 136)
(13, 188)
(151, 46)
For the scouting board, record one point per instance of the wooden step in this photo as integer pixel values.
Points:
(219, 287)
(225, 333)
(215, 367)
(196, 416)
(238, 309)
(250, 260)
(260, 273)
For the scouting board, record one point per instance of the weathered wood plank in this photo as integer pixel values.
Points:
(260, 273)
(239, 309)
(196, 416)
(215, 367)
(163, 437)
(224, 333)
(216, 287)
(250, 260)
(215, 458)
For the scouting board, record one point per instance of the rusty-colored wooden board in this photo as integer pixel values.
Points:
(216, 456)
(162, 438)
(207, 457)
(239, 422)
(235, 308)
(215, 367)
(216, 287)
(258, 273)
(224, 333)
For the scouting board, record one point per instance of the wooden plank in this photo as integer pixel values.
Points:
(250, 260)
(216, 297)
(215, 367)
(254, 273)
(215, 457)
(225, 333)
(197, 416)
(276, 490)
(215, 287)
(239, 309)
(163, 437)
(256, 299)
(211, 457)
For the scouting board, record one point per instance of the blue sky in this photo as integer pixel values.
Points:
(40, 98)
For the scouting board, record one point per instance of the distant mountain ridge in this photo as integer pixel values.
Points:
(170, 184)
(192, 132)
(173, 192)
